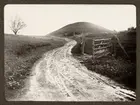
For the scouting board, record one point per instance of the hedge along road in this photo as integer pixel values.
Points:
(58, 76)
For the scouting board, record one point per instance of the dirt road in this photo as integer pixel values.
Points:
(60, 77)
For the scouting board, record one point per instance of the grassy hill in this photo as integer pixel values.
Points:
(21, 52)
(88, 30)
(82, 27)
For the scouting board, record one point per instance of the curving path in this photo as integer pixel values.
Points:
(60, 77)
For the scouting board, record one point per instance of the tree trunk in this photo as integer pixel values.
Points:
(15, 33)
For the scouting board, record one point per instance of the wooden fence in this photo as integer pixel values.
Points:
(101, 47)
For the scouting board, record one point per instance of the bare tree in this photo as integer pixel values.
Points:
(16, 25)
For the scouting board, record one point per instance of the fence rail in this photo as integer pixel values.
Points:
(101, 47)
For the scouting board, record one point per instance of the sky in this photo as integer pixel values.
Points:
(44, 19)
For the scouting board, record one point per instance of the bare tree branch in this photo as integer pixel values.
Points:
(16, 25)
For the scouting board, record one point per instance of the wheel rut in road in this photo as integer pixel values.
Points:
(58, 76)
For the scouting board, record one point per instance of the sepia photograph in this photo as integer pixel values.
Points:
(70, 52)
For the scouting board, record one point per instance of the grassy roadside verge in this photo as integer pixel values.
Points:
(118, 69)
(21, 52)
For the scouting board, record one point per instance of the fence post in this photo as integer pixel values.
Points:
(112, 46)
(93, 52)
(113, 49)
(83, 44)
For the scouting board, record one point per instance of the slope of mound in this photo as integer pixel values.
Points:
(82, 27)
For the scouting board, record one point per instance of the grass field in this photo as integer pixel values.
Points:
(128, 41)
(21, 52)
(118, 69)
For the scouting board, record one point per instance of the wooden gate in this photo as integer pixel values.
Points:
(101, 47)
